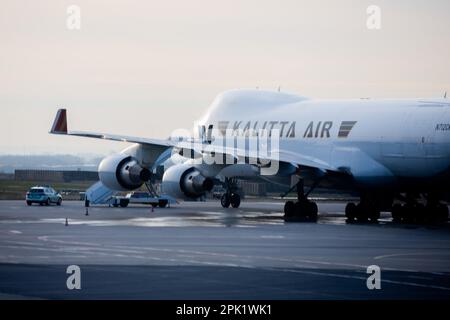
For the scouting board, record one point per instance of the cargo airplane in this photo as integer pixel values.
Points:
(394, 153)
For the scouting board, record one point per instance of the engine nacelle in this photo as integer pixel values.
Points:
(122, 172)
(185, 181)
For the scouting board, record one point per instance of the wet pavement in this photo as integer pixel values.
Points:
(197, 250)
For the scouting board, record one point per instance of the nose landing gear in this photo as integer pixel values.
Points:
(303, 209)
(230, 197)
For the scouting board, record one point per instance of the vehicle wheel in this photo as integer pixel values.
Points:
(289, 209)
(225, 200)
(59, 202)
(162, 203)
(235, 200)
(47, 203)
(29, 203)
(123, 203)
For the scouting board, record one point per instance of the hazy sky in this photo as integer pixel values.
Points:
(147, 67)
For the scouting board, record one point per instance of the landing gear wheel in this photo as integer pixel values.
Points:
(374, 214)
(313, 210)
(361, 213)
(300, 211)
(397, 212)
(303, 209)
(419, 213)
(408, 215)
(225, 201)
(350, 212)
(442, 213)
(235, 200)
(289, 209)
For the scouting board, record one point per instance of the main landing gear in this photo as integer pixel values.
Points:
(368, 209)
(303, 209)
(230, 197)
(413, 211)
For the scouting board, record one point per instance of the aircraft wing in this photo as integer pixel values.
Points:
(275, 155)
(60, 127)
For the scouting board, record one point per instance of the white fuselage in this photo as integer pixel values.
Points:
(377, 141)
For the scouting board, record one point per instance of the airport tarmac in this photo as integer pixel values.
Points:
(196, 250)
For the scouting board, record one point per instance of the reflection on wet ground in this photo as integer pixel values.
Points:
(200, 250)
(188, 214)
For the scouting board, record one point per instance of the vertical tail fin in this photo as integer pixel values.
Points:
(60, 123)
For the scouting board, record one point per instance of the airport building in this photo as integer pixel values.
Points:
(55, 176)
(251, 188)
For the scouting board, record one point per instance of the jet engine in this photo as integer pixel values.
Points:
(185, 181)
(122, 172)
